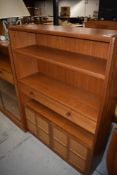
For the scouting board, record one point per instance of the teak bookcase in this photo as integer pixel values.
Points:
(8, 96)
(66, 78)
(102, 24)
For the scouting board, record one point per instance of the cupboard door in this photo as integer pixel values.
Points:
(77, 161)
(42, 123)
(43, 136)
(60, 136)
(60, 141)
(43, 129)
(60, 149)
(31, 120)
(78, 149)
(31, 127)
(30, 115)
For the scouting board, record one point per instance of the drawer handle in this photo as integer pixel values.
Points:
(31, 93)
(1, 72)
(68, 114)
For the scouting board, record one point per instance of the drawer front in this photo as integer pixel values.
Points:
(59, 108)
(43, 136)
(60, 149)
(78, 149)
(6, 76)
(60, 136)
(77, 161)
(42, 124)
(31, 127)
(30, 115)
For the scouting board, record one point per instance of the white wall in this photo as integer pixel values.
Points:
(78, 7)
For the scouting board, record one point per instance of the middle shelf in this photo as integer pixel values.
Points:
(77, 105)
(89, 65)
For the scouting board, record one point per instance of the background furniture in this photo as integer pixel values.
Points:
(8, 98)
(108, 9)
(101, 24)
(66, 78)
(112, 154)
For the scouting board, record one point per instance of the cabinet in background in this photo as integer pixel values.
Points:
(8, 96)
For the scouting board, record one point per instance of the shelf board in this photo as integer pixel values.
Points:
(86, 64)
(69, 127)
(75, 99)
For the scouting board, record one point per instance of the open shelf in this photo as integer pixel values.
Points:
(71, 128)
(75, 99)
(86, 64)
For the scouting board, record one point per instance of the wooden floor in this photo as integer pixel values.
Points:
(22, 154)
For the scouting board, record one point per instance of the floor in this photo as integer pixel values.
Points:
(22, 154)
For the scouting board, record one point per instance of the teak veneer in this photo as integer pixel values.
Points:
(66, 78)
(102, 24)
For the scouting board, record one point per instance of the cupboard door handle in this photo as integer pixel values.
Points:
(68, 114)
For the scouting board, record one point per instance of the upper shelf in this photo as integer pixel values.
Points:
(85, 64)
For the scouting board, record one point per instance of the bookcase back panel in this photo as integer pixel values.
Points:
(24, 66)
(86, 47)
(73, 78)
(22, 39)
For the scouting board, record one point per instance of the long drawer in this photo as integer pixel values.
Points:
(66, 112)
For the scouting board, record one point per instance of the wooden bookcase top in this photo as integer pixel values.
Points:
(75, 32)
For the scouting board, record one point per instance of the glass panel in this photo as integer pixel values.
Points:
(9, 97)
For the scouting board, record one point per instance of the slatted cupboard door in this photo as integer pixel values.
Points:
(66, 78)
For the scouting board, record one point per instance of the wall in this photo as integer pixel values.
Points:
(78, 7)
